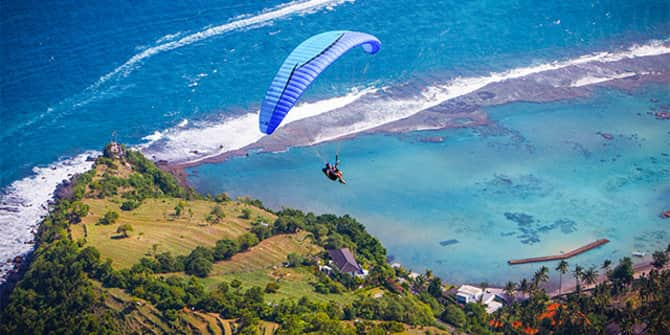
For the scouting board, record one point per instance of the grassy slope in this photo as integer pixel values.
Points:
(262, 264)
(154, 222)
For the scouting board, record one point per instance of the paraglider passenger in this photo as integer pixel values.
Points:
(333, 173)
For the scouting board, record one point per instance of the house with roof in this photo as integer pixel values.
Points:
(467, 294)
(345, 262)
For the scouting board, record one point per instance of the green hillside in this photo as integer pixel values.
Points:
(127, 250)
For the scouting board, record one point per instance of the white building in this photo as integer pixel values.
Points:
(467, 294)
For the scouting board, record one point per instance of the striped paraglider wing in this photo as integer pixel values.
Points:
(301, 68)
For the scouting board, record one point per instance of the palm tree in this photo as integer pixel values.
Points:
(541, 276)
(578, 273)
(606, 265)
(419, 282)
(590, 276)
(524, 286)
(562, 268)
(509, 289)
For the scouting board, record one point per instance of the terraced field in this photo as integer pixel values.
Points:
(143, 318)
(155, 223)
(268, 253)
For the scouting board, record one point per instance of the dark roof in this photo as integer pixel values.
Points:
(344, 260)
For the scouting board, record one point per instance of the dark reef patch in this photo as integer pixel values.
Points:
(521, 187)
(502, 137)
(448, 242)
(486, 95)
(529, 228)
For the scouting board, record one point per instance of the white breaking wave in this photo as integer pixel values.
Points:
(591, 80)
(25, 202)
(291, 8)
(232, 133)
(168, 37)
(247, 21)
(394, 110)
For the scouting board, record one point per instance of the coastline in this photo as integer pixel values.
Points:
(463, 111)
(466, 110)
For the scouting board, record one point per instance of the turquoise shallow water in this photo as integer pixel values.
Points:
(541, 179)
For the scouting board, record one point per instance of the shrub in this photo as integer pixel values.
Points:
(225, 249)
(167, 263)
(199, 262)
(247, 241)
(79, 210)
(271, 287)
(221, 197)
(130, 205)
(124, 229)
(200, 267)
(454, 315)
(179, 208)
(295, 259)
(216, 215)
(246, 214)
(261, 231)
(109, 218)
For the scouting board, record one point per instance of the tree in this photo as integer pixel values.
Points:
(217, 214)
(294, 259)
(562, 268)
(109, 218)
(199, 262)
(129, 205)
(79, 210)
(200, 267)
(454, 315)
(435, 287)
(510, 288)
(590, 276)
(524, 286)
(606, 265)
(154, 249)
(221, 197)
(179, 208)
(246, 214)
(541, 276)
(246, 241)
(660, 259)
(225, 249)
(622, 274)
(124, 229)
(578, 274)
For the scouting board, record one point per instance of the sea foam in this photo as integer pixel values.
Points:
(25, 202)
(372, 108)
(296, 7)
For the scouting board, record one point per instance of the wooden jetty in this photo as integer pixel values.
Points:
(566, 255)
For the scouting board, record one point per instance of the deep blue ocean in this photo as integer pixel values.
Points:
(75, 75)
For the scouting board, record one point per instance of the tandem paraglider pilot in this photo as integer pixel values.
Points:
(333, 172)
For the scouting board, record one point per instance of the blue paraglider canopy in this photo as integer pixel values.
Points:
(301, 68)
